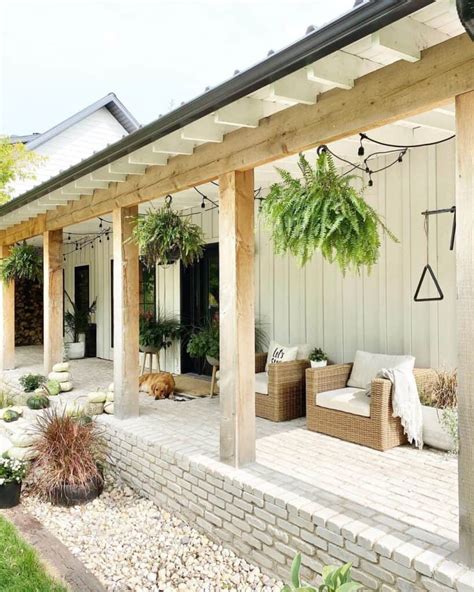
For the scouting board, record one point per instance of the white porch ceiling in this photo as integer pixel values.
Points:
(403, 40)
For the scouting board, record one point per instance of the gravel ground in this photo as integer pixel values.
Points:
(131, 544)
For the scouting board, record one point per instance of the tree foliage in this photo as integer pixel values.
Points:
(17, 163)
(323, 211)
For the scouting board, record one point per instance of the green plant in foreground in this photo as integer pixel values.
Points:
(335, 579)
(323, 211)
(30, 382)
(23, 263)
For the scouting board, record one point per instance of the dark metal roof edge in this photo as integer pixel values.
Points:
(352, 26)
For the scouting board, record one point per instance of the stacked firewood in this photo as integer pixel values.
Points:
(28, 313)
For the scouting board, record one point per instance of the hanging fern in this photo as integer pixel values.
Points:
(163, 236)
(23, 263)
(322, 211)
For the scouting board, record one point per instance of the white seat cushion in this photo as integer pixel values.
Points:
(349, 399)
(261, 383)
(367, 366)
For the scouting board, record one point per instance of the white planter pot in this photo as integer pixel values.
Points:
(319, 364)
(434, 434)
(75, 351)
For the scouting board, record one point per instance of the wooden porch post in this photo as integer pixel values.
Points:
(465, 318)
(237, 317)
(52, 298)
(7, 326)
(126, 297)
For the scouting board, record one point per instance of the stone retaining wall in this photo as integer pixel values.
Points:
(268, 529)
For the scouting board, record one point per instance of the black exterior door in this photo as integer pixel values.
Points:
(199, 301)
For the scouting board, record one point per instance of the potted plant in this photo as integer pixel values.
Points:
(164, 236)
(318, 358)
(323, 211)
(439, 409)
(204, 342)
(77, 322)
(158, 332)
(24, 262)
(70, 453)
(12, 473)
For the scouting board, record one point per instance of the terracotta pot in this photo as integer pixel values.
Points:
(74, 495)
(10, 494)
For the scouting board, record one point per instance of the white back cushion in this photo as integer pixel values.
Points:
(367, 366)
(280, 353)
(304, 349)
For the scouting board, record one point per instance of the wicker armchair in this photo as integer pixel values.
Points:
(380, 431)
(286, 389)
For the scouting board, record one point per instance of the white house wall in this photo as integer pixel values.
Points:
(72, 145)
(316, 304)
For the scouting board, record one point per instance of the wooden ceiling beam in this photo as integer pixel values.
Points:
(397, 91)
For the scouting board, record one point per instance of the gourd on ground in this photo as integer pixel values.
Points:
(97, 397)
(53, 387)
(61, 367)
(38, 402)
(66, 386)
(60, 376)
(109, 408)
(9, 415)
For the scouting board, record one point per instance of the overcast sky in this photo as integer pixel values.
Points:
(58, 56)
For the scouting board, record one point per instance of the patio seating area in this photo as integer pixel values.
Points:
(397, 508)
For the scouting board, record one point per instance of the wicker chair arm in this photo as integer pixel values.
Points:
(287, 372)
(380, 397)
(328, 378)
(260, 361)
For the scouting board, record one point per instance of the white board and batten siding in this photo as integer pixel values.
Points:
(316, 304)
(75, 143)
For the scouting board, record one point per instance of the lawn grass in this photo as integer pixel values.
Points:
(20, 568)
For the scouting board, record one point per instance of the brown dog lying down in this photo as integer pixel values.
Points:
(159, 384)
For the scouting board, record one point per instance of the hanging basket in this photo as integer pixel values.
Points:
(322, 211)
(466, 15)
(23, 263)
(164, 236)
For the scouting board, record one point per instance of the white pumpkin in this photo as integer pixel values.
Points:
(23, 439)
(66, 386)
(61, 367)
(97, 397)
(60, 376)
(110, 396)
(94, 408)
(111, 387)
(109, 408)
(22, 453)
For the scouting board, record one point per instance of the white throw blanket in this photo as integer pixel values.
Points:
(406, 402)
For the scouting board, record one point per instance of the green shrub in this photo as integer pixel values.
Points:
(30, 382)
